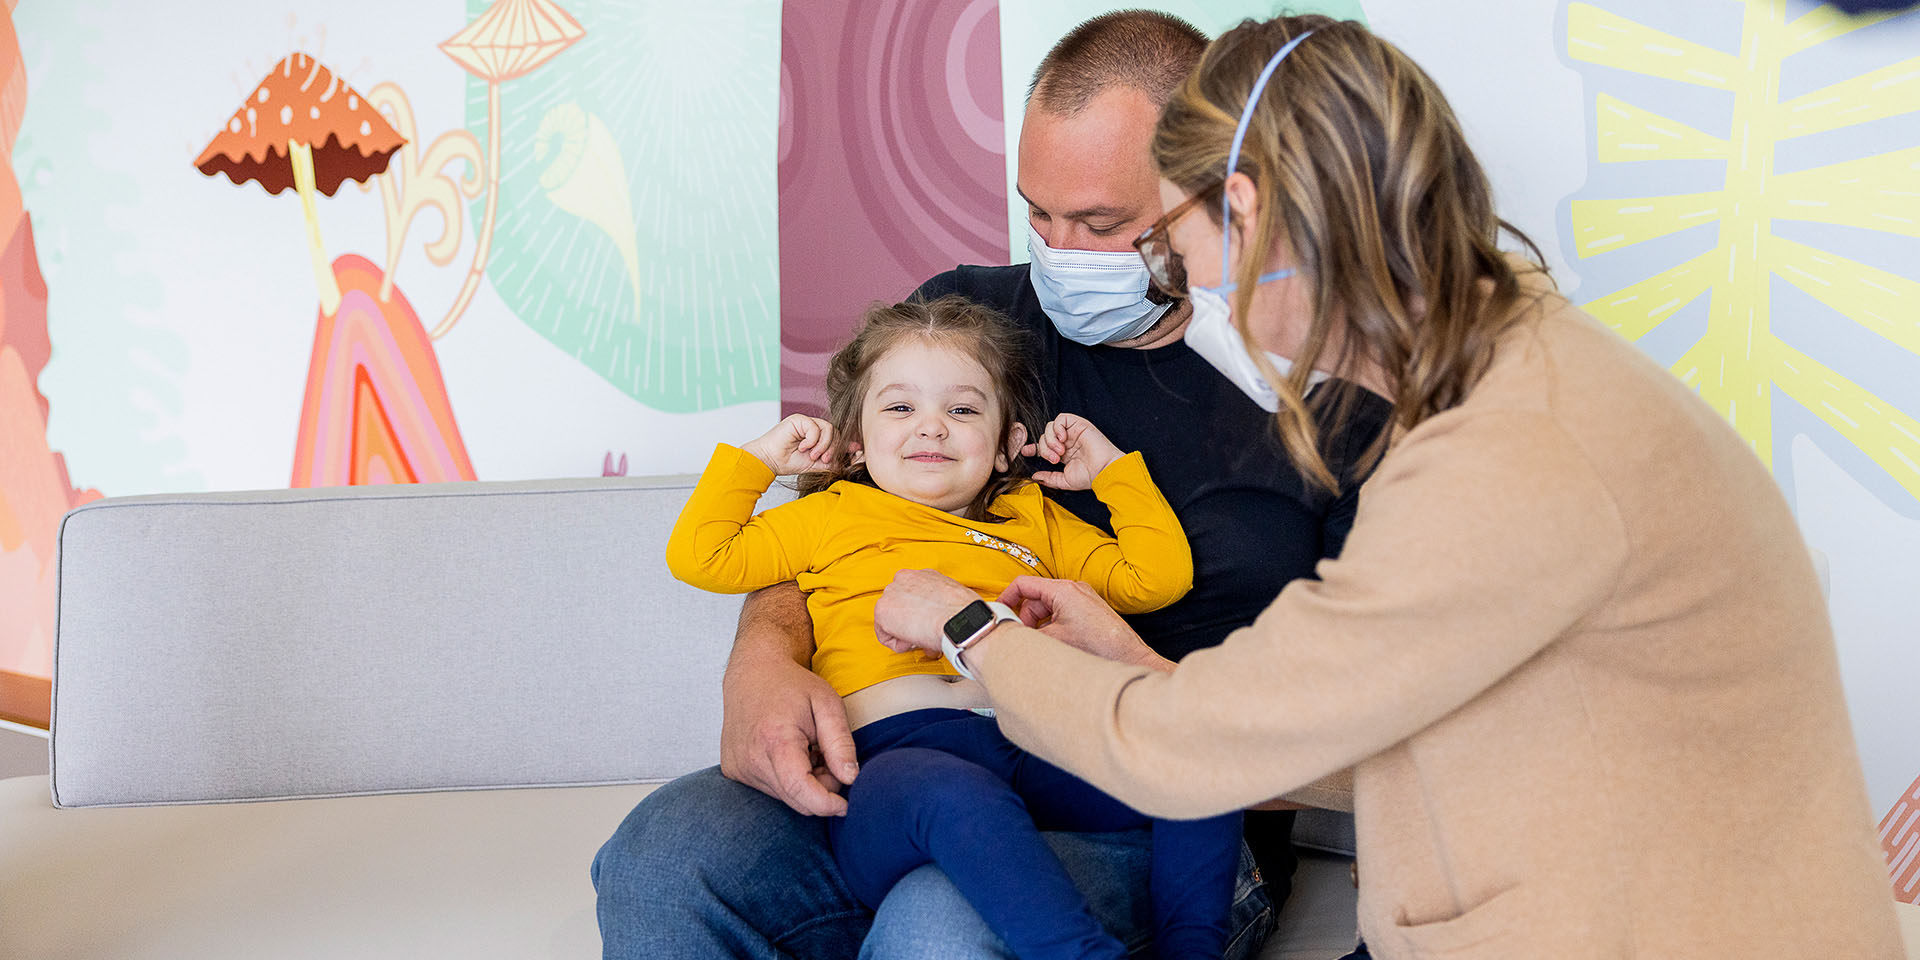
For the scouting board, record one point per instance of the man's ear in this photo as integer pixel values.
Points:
(1016, 438)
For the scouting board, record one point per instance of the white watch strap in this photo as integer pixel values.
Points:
(1001, 614)
(952, 654)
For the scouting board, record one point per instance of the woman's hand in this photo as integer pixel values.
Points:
(914, 608)
(1070, 612)
(795, 445)
(1078, 446)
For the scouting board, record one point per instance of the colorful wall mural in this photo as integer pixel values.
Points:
(892, 164)
(35, 489)
(638, 197)
(645, 225)
(1750, 218)
(375, 409)
(1900, 841)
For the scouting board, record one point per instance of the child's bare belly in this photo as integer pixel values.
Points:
(919, 692)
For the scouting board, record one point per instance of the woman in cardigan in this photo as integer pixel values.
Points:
(1574, 651)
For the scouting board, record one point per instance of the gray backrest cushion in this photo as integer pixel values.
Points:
(352, 640)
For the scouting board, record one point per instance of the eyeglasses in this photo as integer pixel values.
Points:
(1164, 267)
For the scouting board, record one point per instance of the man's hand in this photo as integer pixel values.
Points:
(783, 730)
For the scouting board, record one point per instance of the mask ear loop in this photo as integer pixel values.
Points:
(1233, 156)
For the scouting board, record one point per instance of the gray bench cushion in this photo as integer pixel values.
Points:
(306, 643)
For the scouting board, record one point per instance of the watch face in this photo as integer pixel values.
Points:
(968, 621)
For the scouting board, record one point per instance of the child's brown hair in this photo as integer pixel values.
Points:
(1005, 351)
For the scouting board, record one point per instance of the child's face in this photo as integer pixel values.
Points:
(930, 425)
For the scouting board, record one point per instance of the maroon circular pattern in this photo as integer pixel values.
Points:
(892, 163)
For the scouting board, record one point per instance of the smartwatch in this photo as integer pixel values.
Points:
(964, 628)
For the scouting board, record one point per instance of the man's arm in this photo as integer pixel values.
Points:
(783, 730)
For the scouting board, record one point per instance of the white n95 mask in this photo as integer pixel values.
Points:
(1211, 335)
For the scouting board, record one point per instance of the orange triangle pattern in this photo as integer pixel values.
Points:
(376, 408)
(377, 457)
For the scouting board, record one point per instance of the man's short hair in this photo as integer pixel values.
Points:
(1147, 50)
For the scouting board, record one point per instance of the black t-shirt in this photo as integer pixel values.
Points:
(1253, 521)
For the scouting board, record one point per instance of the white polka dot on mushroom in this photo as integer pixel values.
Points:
(263, 94)
(286, 115)
(365, 128)
(313, 113)
(353, 102)
(234, 124)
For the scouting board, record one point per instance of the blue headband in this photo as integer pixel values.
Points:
(1240, 135)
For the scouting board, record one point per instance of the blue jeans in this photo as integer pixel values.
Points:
(709, 868)
(947, 787)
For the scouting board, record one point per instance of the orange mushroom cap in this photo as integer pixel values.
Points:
(303, 101)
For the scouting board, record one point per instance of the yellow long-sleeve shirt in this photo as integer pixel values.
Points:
(844, 544)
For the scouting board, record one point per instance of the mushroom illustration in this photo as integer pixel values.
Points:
(509, 40)
(305, 128)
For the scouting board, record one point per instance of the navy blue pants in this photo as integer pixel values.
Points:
(945, 787)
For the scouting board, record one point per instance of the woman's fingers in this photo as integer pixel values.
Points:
(891, 642)
(1024, 588)
(1035, 612)
(1031, 597)
(913, 607)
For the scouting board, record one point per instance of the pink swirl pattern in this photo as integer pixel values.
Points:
(892, 163)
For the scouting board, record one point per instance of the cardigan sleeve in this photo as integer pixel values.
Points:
(1478, 542)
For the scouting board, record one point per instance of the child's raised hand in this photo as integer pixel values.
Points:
(797, 444)
(1079, 447)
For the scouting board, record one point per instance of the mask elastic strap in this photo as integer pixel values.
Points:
(1233, 160)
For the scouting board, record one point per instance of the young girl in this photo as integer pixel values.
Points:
(921, 467)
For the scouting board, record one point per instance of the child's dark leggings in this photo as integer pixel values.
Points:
(945, 787)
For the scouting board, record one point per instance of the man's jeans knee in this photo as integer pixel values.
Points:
(706, 867)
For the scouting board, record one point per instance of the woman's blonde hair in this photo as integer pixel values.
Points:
(1004, 350)
(1359, 163)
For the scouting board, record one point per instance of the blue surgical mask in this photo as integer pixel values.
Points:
(1211, 333)
(1092, 296)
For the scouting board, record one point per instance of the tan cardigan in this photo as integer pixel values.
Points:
(1577, 655)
